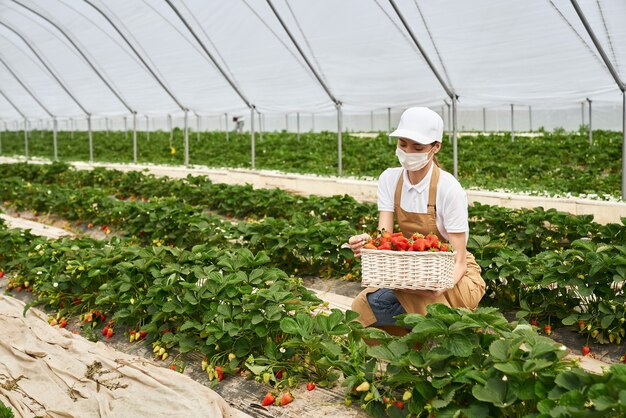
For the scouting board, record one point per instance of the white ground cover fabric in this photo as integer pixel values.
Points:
(47, 371)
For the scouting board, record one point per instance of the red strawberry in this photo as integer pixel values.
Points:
(63, 323)
(420, 244)
(269, 399)
(547, 329)
(1, 274)
(399, 404)
(220, 373)
(581, 324)
(279, 374)
(105, 331)
(142, 334)
(286, 399)
(310, 386)
(173, 367)
(109, 333)
(586, 350)
(534, 323)
(443, 248)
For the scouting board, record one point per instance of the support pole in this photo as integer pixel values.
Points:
(55, 133)
(252, 150)
(582, 113)
(388, 125)
(170, 128)
(260, 125)
(372, 121)
(339, 140)
(623, 144)
(455, 151)
(449, 121)
(298, 125)
(484, 119)
(26, 139)
(590, 125)
(125, 128)
(287, 122)
(147, 128)
(530, 118)
(197, 127)
(71, 129)
(226, 118)
(313, 122)
(90, 139)
(135, 138)
(512, 123)
(186, 138)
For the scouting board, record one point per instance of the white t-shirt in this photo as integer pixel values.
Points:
(451, 198)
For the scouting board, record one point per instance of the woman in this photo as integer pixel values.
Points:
(424, 199)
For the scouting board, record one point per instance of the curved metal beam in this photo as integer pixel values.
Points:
(206, 51)
(82, 54)
(443, 83)
(158, 80)
(26, 88)
(34, 51)
(304, 57)
(17, 109)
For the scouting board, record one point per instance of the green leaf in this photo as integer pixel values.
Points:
(459, 345)
(496, 392)
(289, 326)
(606, 321)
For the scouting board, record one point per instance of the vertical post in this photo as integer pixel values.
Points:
(313, 122)
(71, 128)
(170, 127)
(26, 138)
(455, 150)
(90, 138)
(298, 125)
(5, 128)
(512, 123)
(339, 145)
(186, 138)
(135, 137)
(582, 113)
(252, 150)
(287, 122)
(226, 118)
(590, 125)
(147, 128)
(449, 120)
(484, 119)
(372, 121)
(197, 127)
(388, 125)
(623, 145)
(530, 118)
(260, 125)
(125, 128)
(106, 125)
(55, 127)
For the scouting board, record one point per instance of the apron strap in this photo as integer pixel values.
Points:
(432, 193)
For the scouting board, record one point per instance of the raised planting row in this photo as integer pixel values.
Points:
(552, 267)
(249, 318)
(557, 163)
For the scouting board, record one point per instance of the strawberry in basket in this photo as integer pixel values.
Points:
(397, 242)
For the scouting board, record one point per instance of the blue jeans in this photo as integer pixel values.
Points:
(385, 306)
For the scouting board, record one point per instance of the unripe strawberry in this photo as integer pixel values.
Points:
(232, 356)
(363, 387)
(547, 329)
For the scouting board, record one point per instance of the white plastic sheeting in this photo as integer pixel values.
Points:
(489, 52)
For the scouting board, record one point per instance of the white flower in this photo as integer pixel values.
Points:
(282, 349)
(562, 348)
(55, 284)
(504, 378)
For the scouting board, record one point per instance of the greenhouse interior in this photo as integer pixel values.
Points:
(292, 208)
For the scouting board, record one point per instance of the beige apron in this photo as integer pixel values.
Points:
(467, 292)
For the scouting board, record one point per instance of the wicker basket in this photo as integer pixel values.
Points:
(407, 269)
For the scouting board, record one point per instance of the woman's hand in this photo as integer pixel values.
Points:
(356, 242)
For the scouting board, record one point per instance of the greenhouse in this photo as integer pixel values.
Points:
(291, 208)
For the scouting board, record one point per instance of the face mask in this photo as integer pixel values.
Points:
(413, 161)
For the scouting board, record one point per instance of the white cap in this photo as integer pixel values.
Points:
(420, 124)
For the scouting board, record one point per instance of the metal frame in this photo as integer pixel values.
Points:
(512, 122)
(617, 80)
(449, 91)
(25, 122)
(320, 81)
